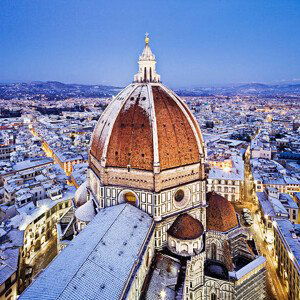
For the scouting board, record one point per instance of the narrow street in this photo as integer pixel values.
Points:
(275, 288)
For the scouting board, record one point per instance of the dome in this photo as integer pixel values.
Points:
(220, 213)
(81, 195)
(146, 127)
(146, 124)
(185, 227)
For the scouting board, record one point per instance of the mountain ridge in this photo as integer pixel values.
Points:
(56, 90)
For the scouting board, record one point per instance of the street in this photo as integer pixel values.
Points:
(275, 288)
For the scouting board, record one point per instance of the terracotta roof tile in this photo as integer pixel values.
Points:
(220, 213)
(185, 227)
(128, 128)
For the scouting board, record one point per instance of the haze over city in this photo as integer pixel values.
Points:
(97, 42)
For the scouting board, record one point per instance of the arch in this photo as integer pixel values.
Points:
(145, 74)
(213, 251)
(173, 243)
(128, 196)
(184, 247)
(150, 74)
(148, 260)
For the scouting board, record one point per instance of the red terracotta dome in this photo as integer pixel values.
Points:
(220, 213)
(145, 126)
(185, 227)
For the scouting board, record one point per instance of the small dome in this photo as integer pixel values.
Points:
(81, 195)
(185, 227)
(220, 213)
(86, 212)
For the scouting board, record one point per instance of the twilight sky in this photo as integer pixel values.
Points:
(200, 42)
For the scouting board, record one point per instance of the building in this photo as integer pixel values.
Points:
(269, 173)
(6, 151)
(227, 178)
(260, 146)
(274, 205)
(287, 255)
(11, 242)
(151, 231)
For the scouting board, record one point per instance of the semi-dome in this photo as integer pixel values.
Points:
(146, 127)
(220, 213)
(86, 212)
(81, 195)
(185, 227)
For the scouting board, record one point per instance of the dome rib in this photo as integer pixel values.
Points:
(154, 128)
(131, 142)
(177, 143)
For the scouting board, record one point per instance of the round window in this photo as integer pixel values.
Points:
(130, 198)
(179, 195)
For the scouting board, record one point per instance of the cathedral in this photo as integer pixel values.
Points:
(147, 227)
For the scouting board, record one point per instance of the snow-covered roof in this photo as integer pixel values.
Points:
(85, 212)
(29, 215)
(31, 163)
(9, 253)
(287, 201)
(100, 261)
(259, 261)
(235, 173)
(271, 206)
(286, 229)
(164, 278)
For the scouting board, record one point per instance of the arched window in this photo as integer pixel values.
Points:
(150, 74)
(213, 248)
(213, 296)
(148, 259)
(145, 75)
(184, 248)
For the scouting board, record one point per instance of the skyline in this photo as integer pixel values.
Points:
(216, 43)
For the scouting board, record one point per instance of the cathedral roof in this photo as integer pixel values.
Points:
(100, 262)
(185, 227)
(220, 213)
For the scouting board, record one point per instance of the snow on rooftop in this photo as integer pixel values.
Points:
(27, 215)
(85, 212)
(30, 163)
(98, 263)
(271, 206)
(286, 228)
(9, 253)
(164, 278)
(249, 267)
(235, 173)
